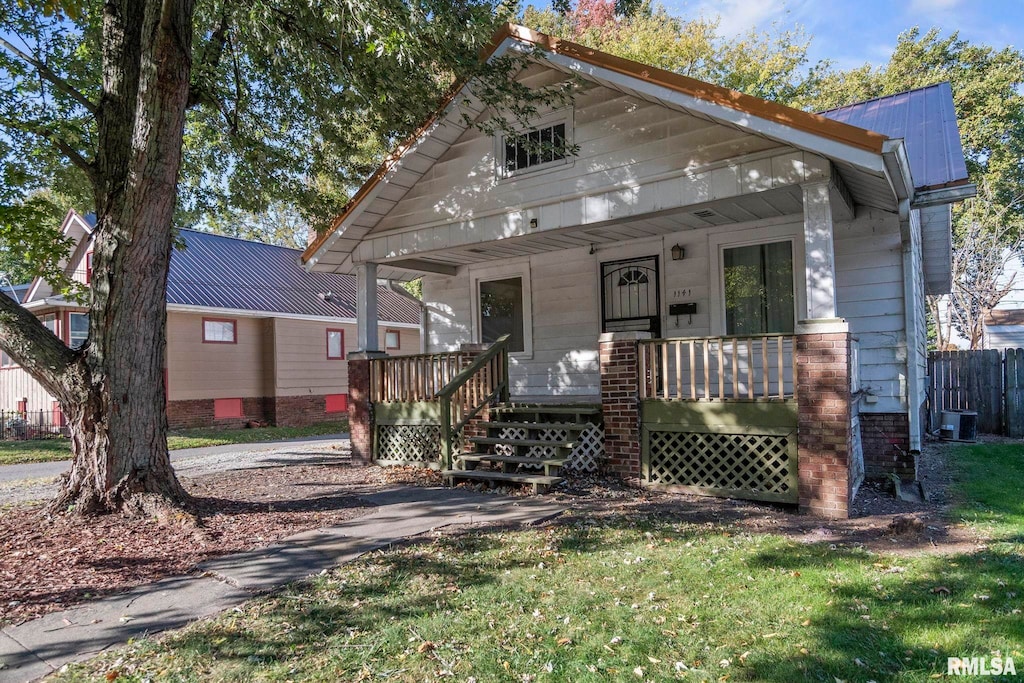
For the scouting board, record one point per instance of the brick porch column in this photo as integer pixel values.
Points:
(620, 400)
(824, 405)
(360, 410)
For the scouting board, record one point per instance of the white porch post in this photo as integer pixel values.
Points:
(366, 307)
(819, 254)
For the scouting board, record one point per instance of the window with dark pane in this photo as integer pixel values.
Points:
(534, 147)
(501, 312)
(759, 289)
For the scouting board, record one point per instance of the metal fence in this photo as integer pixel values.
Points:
(34, 424)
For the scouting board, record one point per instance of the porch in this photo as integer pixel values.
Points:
(761, 417)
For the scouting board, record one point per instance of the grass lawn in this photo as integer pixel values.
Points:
(12, 452)
(991, 478)
(621, 599)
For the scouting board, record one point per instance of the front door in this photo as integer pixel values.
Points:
(630, 296)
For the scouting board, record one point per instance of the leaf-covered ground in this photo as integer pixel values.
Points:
(50, 564)
(633, 587)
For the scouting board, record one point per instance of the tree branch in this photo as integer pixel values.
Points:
(62, 145)
(37, 350)
(48, 74)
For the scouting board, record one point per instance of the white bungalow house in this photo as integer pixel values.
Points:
(714, 292)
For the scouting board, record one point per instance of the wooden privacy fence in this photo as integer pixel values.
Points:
(990, 383)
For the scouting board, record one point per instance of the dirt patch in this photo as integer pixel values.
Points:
(50, 564)
(879, 521)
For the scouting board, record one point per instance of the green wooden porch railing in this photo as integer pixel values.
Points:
(480, 382)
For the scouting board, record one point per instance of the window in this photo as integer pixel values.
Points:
(335, 344)
(392, 340)
(225, 408)
(88, 267)
(759, 289)
(501, 312)
(78, 329)
(547, 144)
(219, 331)
(335, 403)
(6, 361)
(50, 323)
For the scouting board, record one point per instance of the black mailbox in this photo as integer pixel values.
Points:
(682, 309)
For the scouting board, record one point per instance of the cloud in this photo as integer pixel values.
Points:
(737, 17)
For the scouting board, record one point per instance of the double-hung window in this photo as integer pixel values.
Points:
(335, 344)
(759, 292)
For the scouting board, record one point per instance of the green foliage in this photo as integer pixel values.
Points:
(292, 104)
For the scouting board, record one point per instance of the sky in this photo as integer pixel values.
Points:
(853, 32)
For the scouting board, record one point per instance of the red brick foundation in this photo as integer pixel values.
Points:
(620, 401)
(281, 411)
(199, 413)
(824, 405)
(885, 438)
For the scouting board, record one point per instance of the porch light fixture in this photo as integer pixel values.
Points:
(678, 253)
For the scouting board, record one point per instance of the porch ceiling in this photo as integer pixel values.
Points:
(776, 203)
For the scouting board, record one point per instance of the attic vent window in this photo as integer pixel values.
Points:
(541, 147)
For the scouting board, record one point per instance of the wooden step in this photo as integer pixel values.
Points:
(497, 440)
(552, 466)
(553, 409)
(540, 483)
(568, 426)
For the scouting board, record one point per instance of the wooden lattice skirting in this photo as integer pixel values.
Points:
(717, 449)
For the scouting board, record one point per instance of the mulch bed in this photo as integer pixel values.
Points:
(51, 564)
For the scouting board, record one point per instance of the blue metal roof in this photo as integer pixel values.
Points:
(925, 119)
(226, 272)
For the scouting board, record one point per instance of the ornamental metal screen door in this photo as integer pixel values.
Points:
(630, 296)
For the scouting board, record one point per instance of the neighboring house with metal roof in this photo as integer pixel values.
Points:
(723, 294)
(251, 336)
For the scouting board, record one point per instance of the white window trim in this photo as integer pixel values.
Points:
(718, 243)
(488, 273)
(551, 119)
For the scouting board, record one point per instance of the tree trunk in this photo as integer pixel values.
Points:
(115, 397)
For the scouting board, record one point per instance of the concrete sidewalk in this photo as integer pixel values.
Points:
(37, 648)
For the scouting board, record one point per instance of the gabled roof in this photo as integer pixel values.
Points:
(215, 271)
(925, 119)
(714, 102)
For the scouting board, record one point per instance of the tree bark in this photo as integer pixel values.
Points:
(114, 397)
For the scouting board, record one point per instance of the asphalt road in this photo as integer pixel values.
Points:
(34, 481)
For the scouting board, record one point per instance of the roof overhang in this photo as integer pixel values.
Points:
(847, 145)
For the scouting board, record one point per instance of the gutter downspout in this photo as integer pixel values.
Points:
(401, 291)
(897, 167)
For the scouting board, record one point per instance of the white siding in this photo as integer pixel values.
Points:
(566, 302)
(1004, 337)
(16, 384)
(869, 280)
(622, 140)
